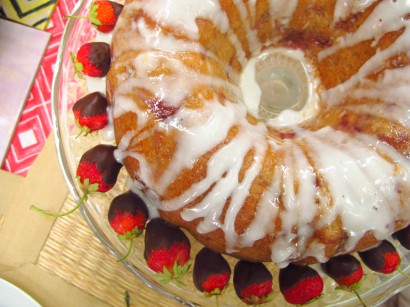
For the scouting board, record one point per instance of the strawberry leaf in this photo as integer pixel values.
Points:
(177, 272)
(256, 300)
(165, 281)
(129, 235)
(78, 67)
(86, 187)
(350, 288)
(94, 15)
(180, 282)
(216, 291)
(167, 272)
(315, 299)
(162, 275)
(84, 130)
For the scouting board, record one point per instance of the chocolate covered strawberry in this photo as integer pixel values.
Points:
(103, 15)
(383, 258)
(211, 272)
(127, 216)
(300, 284)
(167, 250)
(252, 282)
(97, 171)
(93, 59)
(347, 271)
(403, 236)
(90, 113)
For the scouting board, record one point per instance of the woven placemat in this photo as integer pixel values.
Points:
(74, 253)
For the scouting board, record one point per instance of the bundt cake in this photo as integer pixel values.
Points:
(271, 130)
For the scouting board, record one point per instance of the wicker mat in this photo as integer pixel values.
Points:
(74, 253)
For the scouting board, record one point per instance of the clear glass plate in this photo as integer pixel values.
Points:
(375, 289)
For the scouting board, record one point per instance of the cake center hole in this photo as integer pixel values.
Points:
(282, 83)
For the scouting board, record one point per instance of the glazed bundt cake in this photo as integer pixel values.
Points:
(271, 130)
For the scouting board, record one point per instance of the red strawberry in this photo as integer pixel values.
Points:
(127, 216)
(403, 236)
(211, 272)
(90, 113)
(347, 271)
(103, 15)
(382, 258)
(252, 282)
(300, 284)
(167, 250)
(93, 59)
(97, 171)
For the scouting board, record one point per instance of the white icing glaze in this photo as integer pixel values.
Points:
(363, 181)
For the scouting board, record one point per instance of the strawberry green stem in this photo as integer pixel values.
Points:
(128, 252)
(83, 198)
(358, 296)
(217, 300)
(402, 273)
(78, 17)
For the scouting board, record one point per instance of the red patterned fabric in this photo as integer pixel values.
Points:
(35, 124)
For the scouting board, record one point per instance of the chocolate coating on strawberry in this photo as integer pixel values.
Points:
(341, 266)
(91, 105)
(382, 258)
(127, 215)
(93, 59)
(117, 8)
(252, 282)
(300, 284)
(167, 248)
(211, 271)
(90, 113)
(160, 234)
(102, 158)
(403, 236)
(126, 212)
(99, 56)
(347, 271)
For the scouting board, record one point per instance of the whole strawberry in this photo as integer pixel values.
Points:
(98, 167)
(93, 59)
(211, 272)
(347, 271)
(127, 216)
(300, 284)
(103, 15)
(167, 250)
(97, 171)
(90, 113)
(382, 258)
(403, 236)
(252, 282)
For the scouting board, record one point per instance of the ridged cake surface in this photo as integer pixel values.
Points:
(328, 177)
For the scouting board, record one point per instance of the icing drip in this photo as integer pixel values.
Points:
(364, 174)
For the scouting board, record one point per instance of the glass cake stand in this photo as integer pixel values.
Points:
(375, 289)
